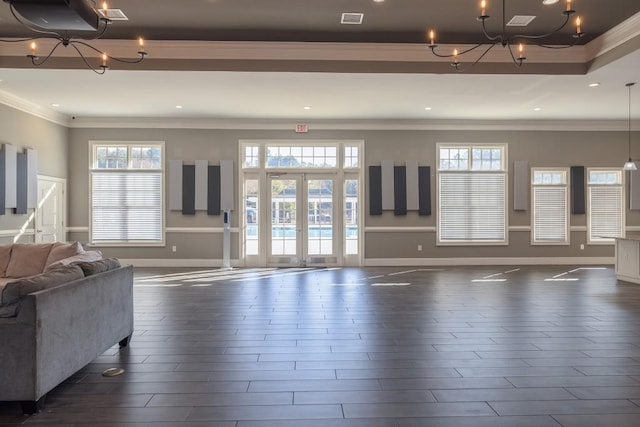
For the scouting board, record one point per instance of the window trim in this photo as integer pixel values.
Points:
(623, 208)
(565, 186)
(93, 144)
(503, 170)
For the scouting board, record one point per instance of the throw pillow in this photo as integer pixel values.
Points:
(5, 255)
(63, 250)
(84, 256)
(13, 291)
(28, 259)
(95, 267)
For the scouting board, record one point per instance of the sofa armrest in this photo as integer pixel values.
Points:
(72, 324)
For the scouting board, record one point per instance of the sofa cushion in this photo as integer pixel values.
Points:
(63, 250)
(83, 257)
(9, 310)
(95, 267)
(5, 254)
(28, 259)
(13, 291)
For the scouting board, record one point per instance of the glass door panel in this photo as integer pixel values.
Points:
(285, 245)
(319, 233)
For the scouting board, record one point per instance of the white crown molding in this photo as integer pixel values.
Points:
(20, 104)
(409, 124)
(613, 38)
(436, 262)
(77, 229)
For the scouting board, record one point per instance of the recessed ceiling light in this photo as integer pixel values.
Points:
(594, 84)
(378, 1)
(306, 107)
(428, 108)
(537, 109)
(179, 107)
(548, 2)
(55, 105)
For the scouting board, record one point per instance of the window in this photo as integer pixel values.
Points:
(305, 156)
(251, 157)
(127, 205)
(605, 217)
(472, 194)
(550, 207)
(351, 216)
(351, 157)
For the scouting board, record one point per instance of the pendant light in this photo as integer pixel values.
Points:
(630, 165)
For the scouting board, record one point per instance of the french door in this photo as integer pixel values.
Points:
(304, 227)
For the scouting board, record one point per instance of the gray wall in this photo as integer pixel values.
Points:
(51, 140)
(540, 148)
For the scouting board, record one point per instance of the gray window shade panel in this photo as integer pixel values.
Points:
(21, 184)
(188, 189)
(126, 207)
(387, 185)
(472, 207)
(399, 190)
(520, 185)
(375, 190)
(412, 181)
(226, 185)
(202, 172)
(175, 185)
(550, 214)
(32, 178)
(10, 176)
(606, 211)
(213, 191)
(424, 185)
(577, 190)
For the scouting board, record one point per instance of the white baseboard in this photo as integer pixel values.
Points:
(434, 262)
(169, 262)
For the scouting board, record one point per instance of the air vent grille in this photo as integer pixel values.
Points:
(520, 21)
(113, 14)
(352, 18)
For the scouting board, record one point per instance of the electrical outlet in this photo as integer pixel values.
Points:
(582, 246)
(174, 248)
(419, 248)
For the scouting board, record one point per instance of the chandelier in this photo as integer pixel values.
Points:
(57, 19)
(510, 41)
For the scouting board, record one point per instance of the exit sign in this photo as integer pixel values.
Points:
(302, 128)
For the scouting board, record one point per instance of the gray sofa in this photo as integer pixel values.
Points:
(58, 330)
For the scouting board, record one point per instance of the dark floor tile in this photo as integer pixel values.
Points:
(414, 410)
(557, 407)
(329, 397)
(279, 412)
(313, 385)
(321, 423)
(444, 383)
(485, 395)
(605, 393)
(120, 415)
(488, 421)
(221, 399)
(613, 420)
(584, 381)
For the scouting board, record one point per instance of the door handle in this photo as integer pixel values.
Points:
(38, 231)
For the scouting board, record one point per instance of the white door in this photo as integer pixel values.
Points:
(303, 227)
(50, 211)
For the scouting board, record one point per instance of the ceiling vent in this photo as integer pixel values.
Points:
(113, 14)
(520, 21)
(352, 18)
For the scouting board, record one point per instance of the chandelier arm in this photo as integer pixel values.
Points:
(548, 46)
(89, 66)
(439, 55)
(30, 27)
(542, 36)
(484, 53)
(516, 62)
(100, 34)
(114, 58)
(499, 38)
(17, 40)
(46, 58)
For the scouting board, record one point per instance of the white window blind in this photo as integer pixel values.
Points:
(605, 213)
(126, 206)
(472, 207)
(550, 220)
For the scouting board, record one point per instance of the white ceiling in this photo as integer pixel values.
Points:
(332, 96)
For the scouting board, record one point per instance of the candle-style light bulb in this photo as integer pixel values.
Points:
(568, 5)
(105, 6)
(141, 43)
(432, 37)
(578, 25)
(521, 50)
(483, 8)
(33, 48)
(455, 55)
(104, 60)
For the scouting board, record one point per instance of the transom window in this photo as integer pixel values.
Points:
(550, 207)
(251, 156)
(605, 219)
(472, 194)
(301, 156)
(351, 157)
(127, 204)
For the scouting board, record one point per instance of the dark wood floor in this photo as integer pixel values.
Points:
(374, 347)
